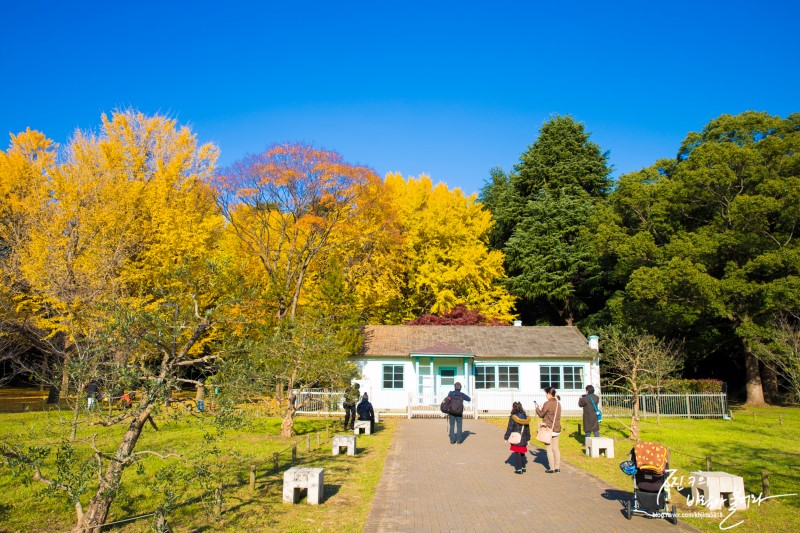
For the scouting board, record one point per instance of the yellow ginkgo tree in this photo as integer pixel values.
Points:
(110, 264)
(442, 259)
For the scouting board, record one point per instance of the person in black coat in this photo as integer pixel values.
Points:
(519, 422)
(365, 412)
(590, 423)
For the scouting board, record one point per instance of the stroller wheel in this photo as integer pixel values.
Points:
(628, 509)
(673, 518)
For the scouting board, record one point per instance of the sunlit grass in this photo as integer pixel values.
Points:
(350, 482)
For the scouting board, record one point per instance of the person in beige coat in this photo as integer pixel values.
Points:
(550, 413)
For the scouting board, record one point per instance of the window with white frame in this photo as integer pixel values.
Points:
(550, 376)
(573, 377)
(561, 377)
(485, 377)
(507, 377)
(392, 376)
(496, 377)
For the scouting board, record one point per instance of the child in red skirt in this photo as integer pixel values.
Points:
(518, 424)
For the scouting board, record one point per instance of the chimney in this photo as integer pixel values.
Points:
(594, 343)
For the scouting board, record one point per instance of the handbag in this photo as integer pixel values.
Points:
(545, 434)
(516, 436)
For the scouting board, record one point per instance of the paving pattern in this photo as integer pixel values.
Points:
(430, 485)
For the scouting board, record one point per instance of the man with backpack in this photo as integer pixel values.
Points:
(351, 396)
(455, 412)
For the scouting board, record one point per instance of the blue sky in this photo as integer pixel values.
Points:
(450, 89)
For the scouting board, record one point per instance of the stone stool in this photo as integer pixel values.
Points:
(296, 479)
(714, 486)
(344, 441)
(362, 424)
(377, 417)
(595, 444)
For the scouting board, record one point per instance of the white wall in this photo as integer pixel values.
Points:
(372, 379)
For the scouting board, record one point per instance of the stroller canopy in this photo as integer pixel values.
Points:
(651, 457)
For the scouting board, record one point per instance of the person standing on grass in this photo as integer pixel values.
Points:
(550, 413)
(92, 392)
(456, 413)
(589, 403)
(200, 396)
(518, 422)
(351, 397)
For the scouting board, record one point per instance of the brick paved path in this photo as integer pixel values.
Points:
(430, 485)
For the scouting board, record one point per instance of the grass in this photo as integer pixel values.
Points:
(759, 439)
(350, 482)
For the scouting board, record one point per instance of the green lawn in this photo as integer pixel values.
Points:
(744, 446)
(350, 482)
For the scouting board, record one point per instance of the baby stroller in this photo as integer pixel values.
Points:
(648, 465)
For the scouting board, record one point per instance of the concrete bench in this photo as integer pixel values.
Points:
(715, 485)
(344, 441)
(594, 445)
(362, 424)
(296, 479)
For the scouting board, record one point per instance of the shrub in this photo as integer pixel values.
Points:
(680, 386)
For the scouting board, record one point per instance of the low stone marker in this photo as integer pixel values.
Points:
(595, 444)
(362, 424)
(344, 441)
(296, 479)
(715, 485)
(377, 417)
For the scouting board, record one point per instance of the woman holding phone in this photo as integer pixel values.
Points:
(550, 413)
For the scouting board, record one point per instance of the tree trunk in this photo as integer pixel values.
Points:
(287, 424)
(755, 392)
(53, 395)
(65, 377)
(97, 512)
(635, 418)
(564, 313)
(658, 407)
(73, 433)
(770, 380)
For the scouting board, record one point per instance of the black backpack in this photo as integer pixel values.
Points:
(456, 405)
(445, 407)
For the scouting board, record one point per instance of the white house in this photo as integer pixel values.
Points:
(405, 368)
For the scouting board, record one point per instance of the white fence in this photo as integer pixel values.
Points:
(688, 405)
(491, 403)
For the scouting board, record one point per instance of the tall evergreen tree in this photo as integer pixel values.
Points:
(562, 155)
(541, 210)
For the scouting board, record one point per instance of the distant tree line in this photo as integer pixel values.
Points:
(700, 247)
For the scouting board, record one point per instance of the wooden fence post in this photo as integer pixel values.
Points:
(318, 439)
(275, 460)
(708, 463)
(294, 452)
(161, 525)
(764, 484)
(308, 443)
(253, 477)
(218, 501)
